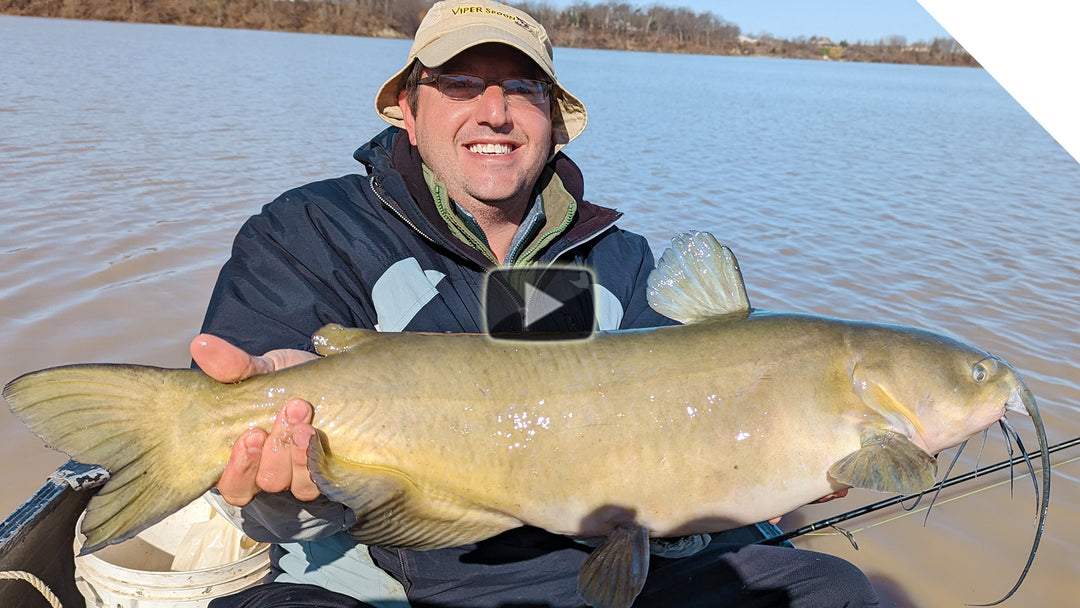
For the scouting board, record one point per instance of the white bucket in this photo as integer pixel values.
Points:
(138, 573)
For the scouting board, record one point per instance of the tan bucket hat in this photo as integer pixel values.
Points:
(452, 26)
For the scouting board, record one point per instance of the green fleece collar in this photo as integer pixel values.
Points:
(548, 215)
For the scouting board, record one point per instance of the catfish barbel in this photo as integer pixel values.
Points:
(443, 440)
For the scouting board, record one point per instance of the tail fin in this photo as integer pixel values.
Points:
(135, 422)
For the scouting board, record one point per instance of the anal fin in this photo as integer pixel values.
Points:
(392, 510)
(614, 573)
(887, 462)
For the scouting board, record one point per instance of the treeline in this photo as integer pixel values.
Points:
(385, 18)
(623, 26)
(608, 25)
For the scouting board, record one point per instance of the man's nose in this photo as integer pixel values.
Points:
(493, 106)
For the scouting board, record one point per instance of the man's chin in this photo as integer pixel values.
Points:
(495, 189)
(495, 199)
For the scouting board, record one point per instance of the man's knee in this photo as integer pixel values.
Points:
(827, 580)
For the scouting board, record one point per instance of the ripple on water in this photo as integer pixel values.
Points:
(899, 194)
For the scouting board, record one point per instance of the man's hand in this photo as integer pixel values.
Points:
(226, 363)
(272, 462)
(826, 498)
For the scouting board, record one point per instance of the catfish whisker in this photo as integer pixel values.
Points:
(1031, 468)
(1043, 497)
(978, 459)
(1009, 449)
(940, 485)
(918, 499)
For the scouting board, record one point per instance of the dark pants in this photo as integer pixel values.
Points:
(481, 576)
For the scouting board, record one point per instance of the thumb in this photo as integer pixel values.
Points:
(224, 362)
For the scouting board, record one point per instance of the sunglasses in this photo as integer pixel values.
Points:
(461, 87)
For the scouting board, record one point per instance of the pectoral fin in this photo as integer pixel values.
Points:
(614, 573)
(887, 462)
(392, 510)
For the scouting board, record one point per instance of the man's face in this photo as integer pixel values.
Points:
(485, 150)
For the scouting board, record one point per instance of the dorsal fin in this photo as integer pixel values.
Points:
(698, 278)
(333, 339)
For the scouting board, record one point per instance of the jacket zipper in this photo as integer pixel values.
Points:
(375, 189)
(401, 215)
(540, 242)
(595, 234)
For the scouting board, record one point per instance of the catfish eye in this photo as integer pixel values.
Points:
(982, 370)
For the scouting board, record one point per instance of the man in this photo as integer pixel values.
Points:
(470, 176)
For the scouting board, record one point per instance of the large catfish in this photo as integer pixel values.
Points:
(442, 440)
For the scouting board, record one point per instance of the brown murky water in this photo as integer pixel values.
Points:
(130, 154)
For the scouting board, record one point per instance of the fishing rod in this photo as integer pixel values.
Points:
(831, 521)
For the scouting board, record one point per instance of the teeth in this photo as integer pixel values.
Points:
(490, 149)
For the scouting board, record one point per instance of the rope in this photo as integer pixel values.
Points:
(34, 581)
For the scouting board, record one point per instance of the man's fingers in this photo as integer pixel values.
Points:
(224, 362)
(828, 497)
(837, 494)
(272, 462)
(275, 466)
(281, 457)
(237, 484)
(285, 357)
(302, 486)
(299, 414)
(227, 363)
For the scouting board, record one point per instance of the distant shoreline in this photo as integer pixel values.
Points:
(609, 26)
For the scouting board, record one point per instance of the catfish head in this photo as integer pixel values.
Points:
(935, 390)
(939, 392)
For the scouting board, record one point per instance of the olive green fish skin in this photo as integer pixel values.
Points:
(691, 428)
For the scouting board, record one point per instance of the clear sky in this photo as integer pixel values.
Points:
(850, 20)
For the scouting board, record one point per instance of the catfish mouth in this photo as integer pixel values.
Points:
(1022, 401)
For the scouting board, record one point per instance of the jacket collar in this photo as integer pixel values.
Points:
(396, 165)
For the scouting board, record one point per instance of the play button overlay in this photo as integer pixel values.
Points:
(539, 303)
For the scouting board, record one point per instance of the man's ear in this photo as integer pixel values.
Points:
(407, 115)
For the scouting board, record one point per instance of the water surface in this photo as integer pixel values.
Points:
(916, 195)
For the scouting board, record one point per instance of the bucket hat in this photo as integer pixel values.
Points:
(452, 26)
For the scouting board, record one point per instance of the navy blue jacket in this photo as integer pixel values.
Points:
(316, 254)
(371, 251)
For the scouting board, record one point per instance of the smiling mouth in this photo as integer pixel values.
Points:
(490, 149)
